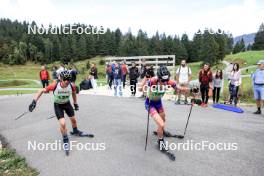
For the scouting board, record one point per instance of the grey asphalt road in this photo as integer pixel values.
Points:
(120, 123)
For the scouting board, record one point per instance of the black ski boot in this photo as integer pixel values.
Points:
(257, 112)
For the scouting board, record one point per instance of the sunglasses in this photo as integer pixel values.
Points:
(66, 79)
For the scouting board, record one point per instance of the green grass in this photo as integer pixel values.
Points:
(12, 83)
(16, 92)
(81, 65)
(19, 83)
(219, 66)
(246, 58)
(10, 75)
(249, 71)
(11, 164)
(195, 68)
(245, 91)
(27, 71)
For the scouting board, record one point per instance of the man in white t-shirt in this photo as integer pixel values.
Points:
(183, 77)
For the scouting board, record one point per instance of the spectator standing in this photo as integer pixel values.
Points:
(258, 86)
(183, 78)
(44, 76)
(54, 73)
(109, 74)
(117, 79)
(94, 75)
(73, 72)
(217, 85)
(133, 76)
(205, 79)
(235, 82)
(61, 68)
(143, 69)
(124, 73)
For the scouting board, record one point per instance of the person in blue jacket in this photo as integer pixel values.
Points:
(258, 86)
(117, 73)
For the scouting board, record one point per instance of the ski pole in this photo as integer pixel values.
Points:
(21, 115)
(188, 120)
(146, 143)
(51, 117)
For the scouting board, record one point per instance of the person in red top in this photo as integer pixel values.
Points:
(109, 74)
(62, 90)
(44, 76)
(124, 70)
(205, 79)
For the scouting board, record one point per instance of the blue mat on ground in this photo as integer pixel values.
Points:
(228, 108)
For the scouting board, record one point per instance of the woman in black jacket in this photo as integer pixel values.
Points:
(133, 75)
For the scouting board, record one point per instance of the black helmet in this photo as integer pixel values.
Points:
(65, 75)
(163, 73)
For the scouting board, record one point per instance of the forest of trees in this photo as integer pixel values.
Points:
(18, 47)
(257, 45)
(259, 39)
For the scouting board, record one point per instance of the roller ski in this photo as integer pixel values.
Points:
(168, 134)
(79, 133)
(162, 148)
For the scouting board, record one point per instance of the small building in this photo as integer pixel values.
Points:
(156, 61)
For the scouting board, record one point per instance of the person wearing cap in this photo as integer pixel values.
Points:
(258, 86)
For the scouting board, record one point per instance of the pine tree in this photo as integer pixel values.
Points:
(222, 43)
(239, 46)
(155, 47)
(179, 50)
(90, 46)
(197, 46)
(242, 45)
(230, 43)
(236, 48)
(81, 50)
(141, 43)
(118, 38)
(210, 48)
(259, 39)
(249, 47)
(48, 51)
(187, 44)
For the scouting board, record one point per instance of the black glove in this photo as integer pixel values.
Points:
(76, 107)
(32, 106)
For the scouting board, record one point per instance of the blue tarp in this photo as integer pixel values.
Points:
(228, 108)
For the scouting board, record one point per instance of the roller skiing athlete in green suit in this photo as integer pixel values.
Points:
(62, 90)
